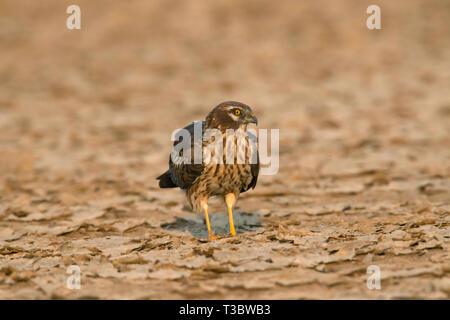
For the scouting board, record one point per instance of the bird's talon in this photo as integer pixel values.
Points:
(212, 237)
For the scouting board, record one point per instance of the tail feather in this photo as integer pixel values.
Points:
(165, 181)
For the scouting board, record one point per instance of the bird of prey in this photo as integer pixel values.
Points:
(216, 176)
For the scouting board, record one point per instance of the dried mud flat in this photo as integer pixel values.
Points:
(85, 124)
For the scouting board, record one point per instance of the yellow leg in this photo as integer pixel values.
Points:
(210, 233)
(230, 200)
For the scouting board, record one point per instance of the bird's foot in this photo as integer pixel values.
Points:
(211, 236)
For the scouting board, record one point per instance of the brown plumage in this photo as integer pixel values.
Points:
(215, 175)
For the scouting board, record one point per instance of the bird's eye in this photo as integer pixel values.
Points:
(237, 112)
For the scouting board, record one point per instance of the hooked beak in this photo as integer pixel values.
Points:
(251, 118)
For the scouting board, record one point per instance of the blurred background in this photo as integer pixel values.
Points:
(86, 117)
(113, 91)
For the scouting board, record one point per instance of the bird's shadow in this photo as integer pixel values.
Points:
(243, 221)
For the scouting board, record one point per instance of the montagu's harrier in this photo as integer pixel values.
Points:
(216, 174)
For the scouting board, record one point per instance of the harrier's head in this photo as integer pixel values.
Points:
(230, 115)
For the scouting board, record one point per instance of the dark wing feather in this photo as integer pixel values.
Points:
(184, 174)
(165, 180)
(254, 171)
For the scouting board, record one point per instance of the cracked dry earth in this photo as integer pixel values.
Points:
(364, 177)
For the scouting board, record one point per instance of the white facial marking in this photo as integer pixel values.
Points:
(234, 117)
